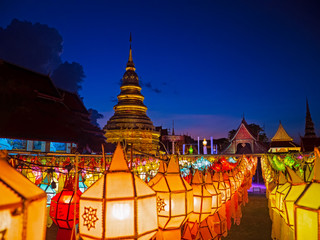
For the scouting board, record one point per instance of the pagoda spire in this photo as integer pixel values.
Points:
(309, 127)
(130, 64)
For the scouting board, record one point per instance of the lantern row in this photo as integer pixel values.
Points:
(293, 192)
(121, 205)
(118, 204)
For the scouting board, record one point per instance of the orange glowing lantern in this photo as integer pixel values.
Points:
(202, 200)
(221, 186)
(215, 194)
(174, 200)
(119, 205)
(22, 205)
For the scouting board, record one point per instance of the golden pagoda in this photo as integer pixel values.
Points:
(130, 122)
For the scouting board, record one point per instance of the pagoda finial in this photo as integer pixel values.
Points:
(309, 126)
(130, 64)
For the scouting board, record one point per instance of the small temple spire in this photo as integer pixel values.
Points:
(130, 64)
(309, 126)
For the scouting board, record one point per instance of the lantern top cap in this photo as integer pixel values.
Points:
(216, 177)
(208, 178)
(173, 166)
(282, 178)
(293, 177)
(118, 162)
(197, 178)
(162, 167)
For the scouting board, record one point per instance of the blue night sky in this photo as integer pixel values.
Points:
(203, 64)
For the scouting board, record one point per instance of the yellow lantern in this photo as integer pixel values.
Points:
(296, 188)
(159, 175)
(22, 205)
(118, 205)
(306, 208)
(281, 193)
(91, 178)
(215, 194)
(202, 200)
(272, 198)
(174, 200)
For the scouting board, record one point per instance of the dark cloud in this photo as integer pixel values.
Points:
(38, 47)
(69, 76)
(34, 46)
(149, 85)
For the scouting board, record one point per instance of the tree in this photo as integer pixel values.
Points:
(94, 116)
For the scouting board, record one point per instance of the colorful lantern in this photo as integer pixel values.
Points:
(215, 194)
(118, 205)
(202, 200)
(82, 186)
(307, 211)
(63, 206)
(46, 186)
(22, 205)
(174, 200)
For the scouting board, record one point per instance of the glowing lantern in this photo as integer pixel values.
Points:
(190, 150)
(272, 198)
(31, 176)
(281, 193)
(46, 186)
(296, 188)
(307, 211)
(202, 200)
(82, 186)
(91, 178)
(118, 205)
(219, 223)
(63, 205)
(234, 180)
(221, 186)
(215, 194)
(174, 200)
(229, 183)
(22, 205)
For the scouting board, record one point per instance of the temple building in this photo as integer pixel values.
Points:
(310, 139)
(282, 142)
(245, 141)
(130, 122)
(37, 116)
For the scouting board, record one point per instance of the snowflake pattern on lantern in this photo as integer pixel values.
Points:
(90, 217)
(160, 204)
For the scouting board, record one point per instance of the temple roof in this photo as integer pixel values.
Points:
(32, 108)
(281, 135)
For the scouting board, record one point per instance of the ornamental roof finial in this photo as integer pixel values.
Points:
(130, 64)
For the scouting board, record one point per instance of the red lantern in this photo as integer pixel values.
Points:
(63, 206)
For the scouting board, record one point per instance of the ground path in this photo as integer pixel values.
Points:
(255, 223)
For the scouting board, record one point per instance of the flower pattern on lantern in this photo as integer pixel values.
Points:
(89, 217)
(160, 204)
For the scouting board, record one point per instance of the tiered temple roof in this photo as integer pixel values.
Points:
(282, 142)
(130, 122)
